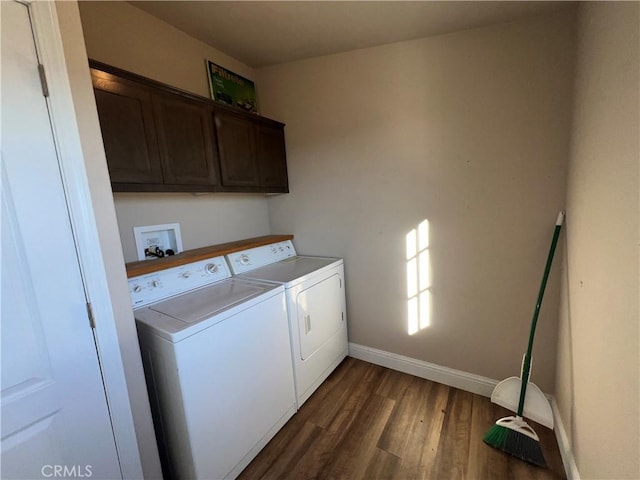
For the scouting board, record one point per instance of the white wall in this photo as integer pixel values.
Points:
(598, 348)
(204, 219)
(468, 130)
(124, 36)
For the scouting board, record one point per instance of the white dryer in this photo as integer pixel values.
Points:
(216, 356)
(315, 292)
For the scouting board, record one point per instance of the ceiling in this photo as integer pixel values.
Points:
(262, 33)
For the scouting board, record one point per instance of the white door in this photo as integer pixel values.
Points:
(55, 420)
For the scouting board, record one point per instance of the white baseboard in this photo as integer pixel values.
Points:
(464, 381)
(566, 453)
(436, 373)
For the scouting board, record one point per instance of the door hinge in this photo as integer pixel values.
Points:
(43, 80)
(92, 319)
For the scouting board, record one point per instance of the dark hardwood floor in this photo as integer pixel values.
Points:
(369, 422)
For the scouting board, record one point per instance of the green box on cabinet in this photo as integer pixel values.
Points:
(231, 88)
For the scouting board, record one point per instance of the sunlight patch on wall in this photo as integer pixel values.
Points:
(418, 278)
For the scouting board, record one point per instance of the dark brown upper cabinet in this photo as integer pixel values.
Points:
(238, 163)
(128, 130)
(186, 140)
(252, 152)
(272, 157)
(158, 138)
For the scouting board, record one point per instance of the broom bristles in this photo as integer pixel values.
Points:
(516, 443)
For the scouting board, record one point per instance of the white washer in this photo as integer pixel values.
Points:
(315, 292)
(217, 364)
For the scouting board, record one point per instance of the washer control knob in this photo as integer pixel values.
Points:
(155, 283)
(211, 268)
(244, 259)
(186, 274)
(137, 288)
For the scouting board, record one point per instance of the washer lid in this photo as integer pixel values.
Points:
(293, 268)
(186, 314)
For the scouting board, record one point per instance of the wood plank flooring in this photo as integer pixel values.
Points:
(369, 422)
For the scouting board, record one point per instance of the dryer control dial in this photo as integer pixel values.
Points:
(247, 260)
(211, 268)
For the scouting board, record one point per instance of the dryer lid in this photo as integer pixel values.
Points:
(293, 268)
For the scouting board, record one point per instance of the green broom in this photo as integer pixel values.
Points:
(512, 434)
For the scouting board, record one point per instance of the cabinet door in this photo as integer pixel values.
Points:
(186, 140)
(128, 130)
(236, 145)
(271, 156)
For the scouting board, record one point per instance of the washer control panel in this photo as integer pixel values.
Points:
(247, 260)
(146, 289)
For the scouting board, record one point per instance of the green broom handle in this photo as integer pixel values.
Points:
(526, 367)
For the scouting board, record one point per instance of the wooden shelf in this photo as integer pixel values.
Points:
(144, 267)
